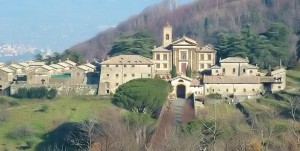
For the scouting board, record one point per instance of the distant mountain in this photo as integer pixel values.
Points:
(200, 20)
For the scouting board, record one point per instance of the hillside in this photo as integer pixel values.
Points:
(200, 20)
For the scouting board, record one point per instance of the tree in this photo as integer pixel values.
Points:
(206, 25)
(173, 72)
(52, 93)
(39, 57)
(141, 43)
(263, 49)
(298, 46)
(188, 71)
(142, 95)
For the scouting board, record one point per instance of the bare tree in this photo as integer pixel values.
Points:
(294, 108)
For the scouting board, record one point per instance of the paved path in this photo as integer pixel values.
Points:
(180, 111)
(177, 109)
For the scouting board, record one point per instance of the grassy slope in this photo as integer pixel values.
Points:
(63, 109)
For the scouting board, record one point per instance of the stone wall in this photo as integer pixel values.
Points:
(68, 90)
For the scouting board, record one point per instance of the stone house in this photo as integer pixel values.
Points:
(57, 68)
(70, 63)
(40, 75)
(181, 53)
(24, 65)
(6, 77)
(235, 76)
(118, 70)
(78, 76)
(35, 64)
(234, 66)
(66, 67)
(17, 69)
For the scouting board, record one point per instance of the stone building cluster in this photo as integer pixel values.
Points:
(33, 73)
(231, 76)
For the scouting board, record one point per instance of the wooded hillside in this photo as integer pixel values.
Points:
(201, 20)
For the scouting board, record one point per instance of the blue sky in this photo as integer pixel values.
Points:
(59, 24)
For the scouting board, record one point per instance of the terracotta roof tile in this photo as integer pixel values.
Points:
(234, 60)
(161, 48)
(128, 59)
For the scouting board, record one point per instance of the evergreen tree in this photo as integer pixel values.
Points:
(140, 43)
(173, 72)
(188, 71)
(142, 95)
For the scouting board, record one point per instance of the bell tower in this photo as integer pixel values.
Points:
(167, 35)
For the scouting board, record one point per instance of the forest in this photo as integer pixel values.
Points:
(203, 21)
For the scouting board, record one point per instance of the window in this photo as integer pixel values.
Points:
(107, 75)
(157, 56)
(117, 75)
(223, 70)
(149, 65)
(165, 57)
(132, 65)
(253, 90)
(209, 57)
(244, 90)
(234, 90)
(125, 65)
(227, 90)
(165, 65)
(157, 65)
(183, 55)
(213, 90)
(107, 65)
(133, 75)
(125, 75)
(107, 91)
(202, 57)
(149, 75)
(117, 65)
(217, 71)
(251, 71)
(201, 66)
(233, 70)
(208, 65)
(244, 70)
(207, 90)
(117, 84)
(167, 36)
(279, 87)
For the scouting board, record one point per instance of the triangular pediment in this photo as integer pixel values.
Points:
(184, 78)
(185, 41)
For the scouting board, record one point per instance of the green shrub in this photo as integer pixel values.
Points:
(215, 96)
(36, 93)
(52, 93)
(22, 93)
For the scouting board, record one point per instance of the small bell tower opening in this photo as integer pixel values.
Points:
(167, 35)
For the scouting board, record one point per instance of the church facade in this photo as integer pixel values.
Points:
(182, 54)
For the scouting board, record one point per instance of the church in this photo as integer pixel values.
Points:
(182, 54)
